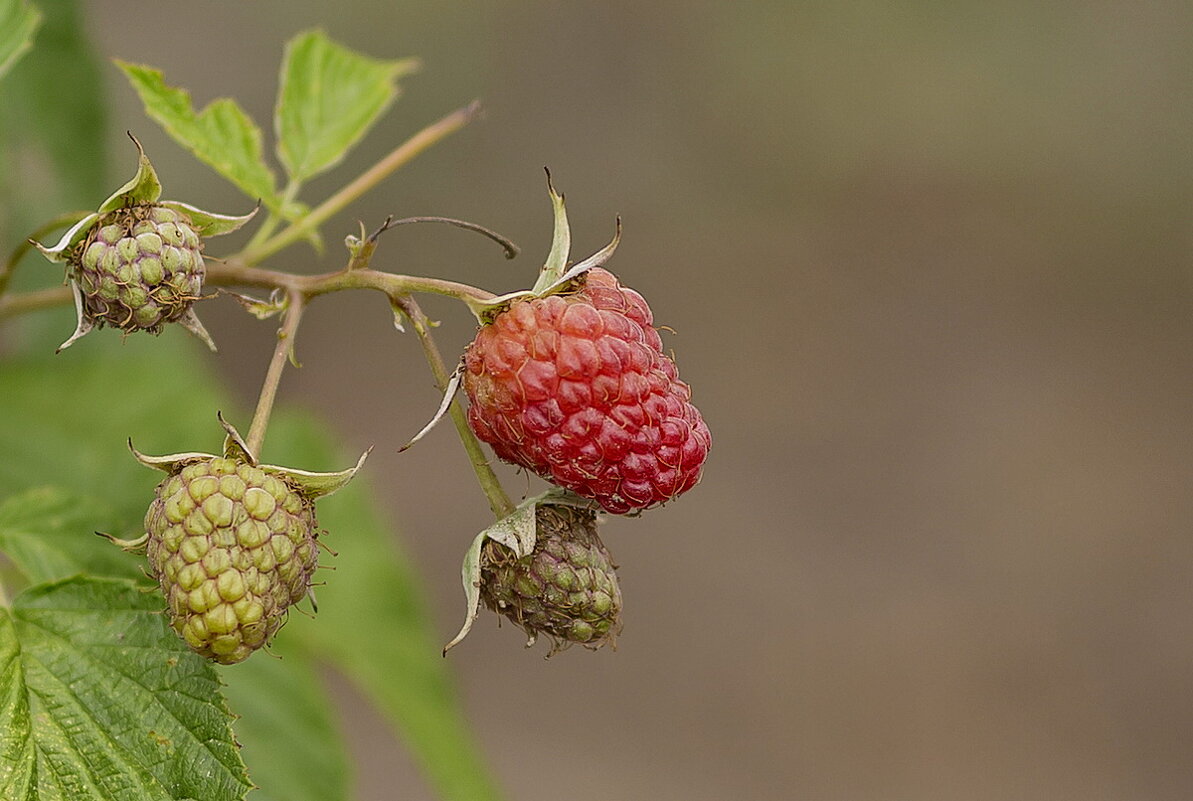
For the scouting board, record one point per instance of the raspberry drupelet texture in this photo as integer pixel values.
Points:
(567, 588)
(140, 268)
(233, 547)
(137, 262)
(577, 389)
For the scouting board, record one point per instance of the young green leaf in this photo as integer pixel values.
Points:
(222, 134)
(100, 701)
(18, 22)
(287, 728)
(328, 99)
(49, 534)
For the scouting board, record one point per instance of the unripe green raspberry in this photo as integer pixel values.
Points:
(139, 268)
(137, 262)
(566, 588)
(233, 547)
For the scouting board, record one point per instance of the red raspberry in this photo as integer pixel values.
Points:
(577, 389)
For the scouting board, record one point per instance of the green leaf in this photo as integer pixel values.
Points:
(328, 99)
(100, 700)
(49, 534)
(371, 623)
(18, 22)
(287, 727)
(221, 135)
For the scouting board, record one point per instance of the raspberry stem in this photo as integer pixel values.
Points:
(282, 351)
(499, 502)
(234, 273)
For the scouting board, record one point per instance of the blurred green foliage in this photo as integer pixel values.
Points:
(66, 471)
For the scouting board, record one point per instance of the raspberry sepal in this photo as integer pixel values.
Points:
(555, 277)
(312, 484)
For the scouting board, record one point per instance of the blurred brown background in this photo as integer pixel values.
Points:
(929, 265)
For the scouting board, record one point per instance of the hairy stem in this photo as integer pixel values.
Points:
(499, 502)
(269, 390)
(398, 157)
(237, 273)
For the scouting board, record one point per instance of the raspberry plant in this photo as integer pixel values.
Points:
(114, 677)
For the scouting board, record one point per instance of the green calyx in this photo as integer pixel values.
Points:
(312, 485)
(555, 277)
(137, 263)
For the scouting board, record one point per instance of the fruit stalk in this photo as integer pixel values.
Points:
(269, 389)
(499, 502)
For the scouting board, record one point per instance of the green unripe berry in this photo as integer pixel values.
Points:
(140, 268)
(230, 558)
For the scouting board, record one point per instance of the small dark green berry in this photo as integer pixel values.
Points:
(566, 588)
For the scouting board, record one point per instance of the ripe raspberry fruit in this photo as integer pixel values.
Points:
(566, 588)
(137, 263)
(233, 544)
(576, 388)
